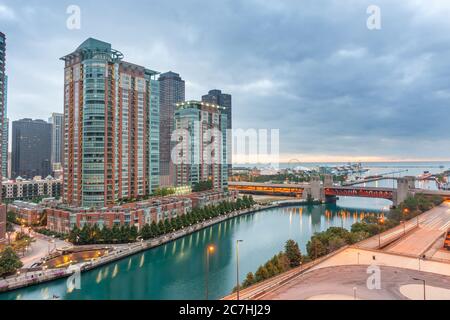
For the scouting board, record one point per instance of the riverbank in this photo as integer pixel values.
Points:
(30, 277)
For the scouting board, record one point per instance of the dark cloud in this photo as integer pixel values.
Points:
(310, 68)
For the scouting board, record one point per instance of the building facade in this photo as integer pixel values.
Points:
(5, 151)
(224, 100)
(111, 127)
(3, 81)
(138, 214)
(27, 213)
(172, 91)
(5, 136)
(57, 122)
(22, 189)
(31, 148)
(63, 219)
(201, 149)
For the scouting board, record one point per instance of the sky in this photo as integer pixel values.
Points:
(335, 89)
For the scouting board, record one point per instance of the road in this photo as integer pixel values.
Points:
(420, 232)
(432, 224)
(40, 248)
(338, 283)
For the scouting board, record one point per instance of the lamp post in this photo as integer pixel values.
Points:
(209, 250)
(424, 287)
(237, 268)
(381, 222)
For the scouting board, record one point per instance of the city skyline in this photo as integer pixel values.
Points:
(358, 95)
(237, 150)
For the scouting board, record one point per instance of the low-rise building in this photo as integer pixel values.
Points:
(211, 198)
(27, 213)
(63, 219)
(137, 214)
(21, 189)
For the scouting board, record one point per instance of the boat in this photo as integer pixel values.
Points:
(425, 175)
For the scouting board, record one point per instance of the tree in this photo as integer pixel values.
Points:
(9, 262)
(9, 230)
(261, 274)
(133, 233)
(293, 253)
(249, 280)
(283, 262)
(271, 269)
(335, 243)
(161, 227)
(155, 229)
(202, 186)
(146, 232)
(106, 235)
(315, 248)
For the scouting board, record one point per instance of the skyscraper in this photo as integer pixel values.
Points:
(111, 125)
(2, 107)
(5, 136)
(201, 150)
(57, 122)
(224, 100)
(31, 148)
(172, 91)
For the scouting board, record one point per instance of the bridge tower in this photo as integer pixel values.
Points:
(314, 190)
(403, 190)
(411, 182)
(328, 181)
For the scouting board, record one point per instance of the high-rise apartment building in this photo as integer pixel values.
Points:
(172, 91)
(2, 116)
(111, 127)
(57, 122)
(31, 148)
(5, 136)
(201, 149)
(224, 100)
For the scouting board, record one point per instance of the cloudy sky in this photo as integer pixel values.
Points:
(334, 88)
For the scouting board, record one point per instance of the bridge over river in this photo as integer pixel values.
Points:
(327, 191)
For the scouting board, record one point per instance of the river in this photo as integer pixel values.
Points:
(177, 270)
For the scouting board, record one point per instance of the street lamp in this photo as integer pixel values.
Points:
(381, 222)
(209, 250)
(424, 287)
(237, 268)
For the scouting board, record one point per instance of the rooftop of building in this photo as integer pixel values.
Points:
(35, 179)
(29, 120)
(170, 75)
(197, 105)
(91, 46)
(142, 204)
